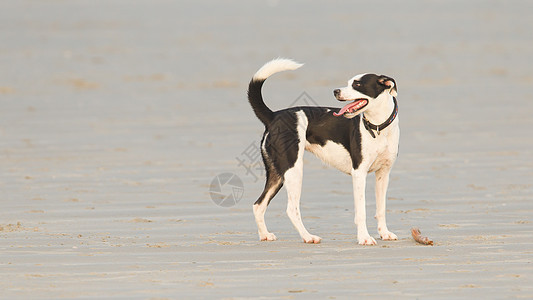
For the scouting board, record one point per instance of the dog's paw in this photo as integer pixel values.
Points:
(388, 236)
(367, 241)
(312, 239)
(268, 237)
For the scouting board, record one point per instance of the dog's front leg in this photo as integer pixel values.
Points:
(382, 182)
(359, 183)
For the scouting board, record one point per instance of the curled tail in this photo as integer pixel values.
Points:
(265, 114)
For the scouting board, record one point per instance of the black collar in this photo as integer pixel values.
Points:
(369, 126)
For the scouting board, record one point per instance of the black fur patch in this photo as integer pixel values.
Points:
(282, 140)
(369, 85)
(323, 126)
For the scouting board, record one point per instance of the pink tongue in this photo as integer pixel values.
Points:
(342, 111)
(346, 107)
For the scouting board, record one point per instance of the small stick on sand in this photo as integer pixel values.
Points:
(417, 235)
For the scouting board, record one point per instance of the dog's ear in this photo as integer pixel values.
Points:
(390, 83)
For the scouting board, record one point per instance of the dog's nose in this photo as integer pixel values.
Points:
(336, 92)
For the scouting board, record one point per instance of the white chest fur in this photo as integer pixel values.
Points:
(380, 151)
(332, 154)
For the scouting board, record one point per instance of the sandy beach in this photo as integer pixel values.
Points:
(116, 117)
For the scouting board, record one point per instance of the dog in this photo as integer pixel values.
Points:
(360, 138)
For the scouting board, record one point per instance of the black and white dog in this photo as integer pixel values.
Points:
(358, 139)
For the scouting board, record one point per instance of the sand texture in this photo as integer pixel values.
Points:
(115, 117)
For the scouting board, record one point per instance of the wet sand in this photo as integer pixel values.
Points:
(115, 118)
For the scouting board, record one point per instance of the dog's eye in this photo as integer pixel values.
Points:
(356, 83)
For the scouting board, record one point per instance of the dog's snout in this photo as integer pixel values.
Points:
(336, 92)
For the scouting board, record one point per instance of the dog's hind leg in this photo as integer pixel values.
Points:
(293, 183)
(273, 184)
(272, 187)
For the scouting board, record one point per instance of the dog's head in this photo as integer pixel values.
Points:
(365, 90)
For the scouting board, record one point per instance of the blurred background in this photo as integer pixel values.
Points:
(113, 111)
(93, 85)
